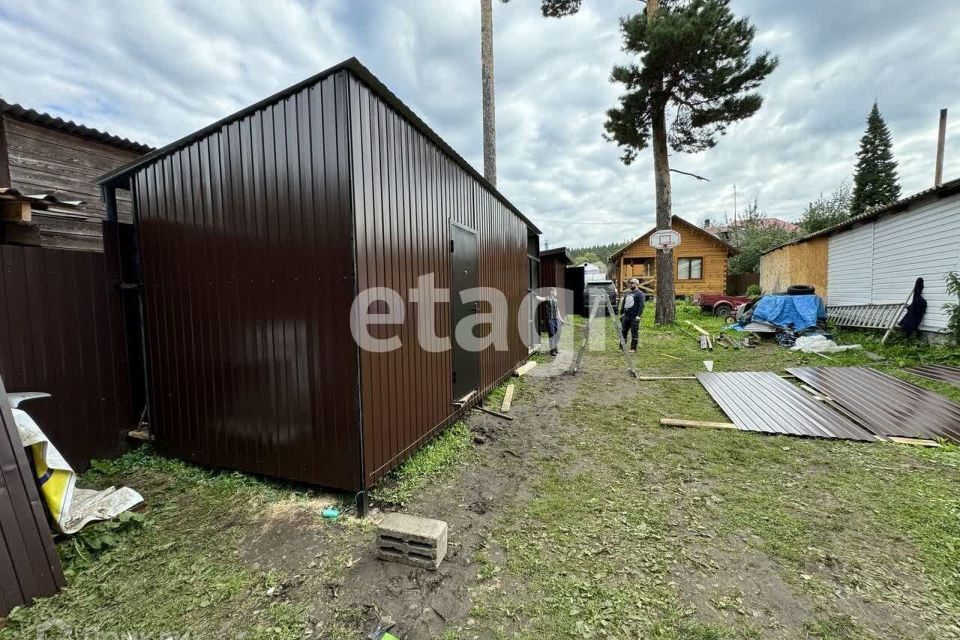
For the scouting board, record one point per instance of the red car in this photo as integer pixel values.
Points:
(719, 304)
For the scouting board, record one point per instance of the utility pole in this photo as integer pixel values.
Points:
(734, 205)
(489, 108)
(941, 142)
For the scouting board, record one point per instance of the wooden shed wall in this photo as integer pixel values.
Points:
(43, 160)
(803, 263)
(406, 192)
(246, 241)
(695, 243)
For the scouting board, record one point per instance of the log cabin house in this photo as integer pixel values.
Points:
(699, 263)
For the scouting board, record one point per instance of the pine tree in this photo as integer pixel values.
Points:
(694, 66)
(875, 182)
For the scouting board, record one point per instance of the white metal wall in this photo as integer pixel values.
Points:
(849, 267)
(879, 262)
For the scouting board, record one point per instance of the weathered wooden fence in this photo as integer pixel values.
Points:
(737, 283)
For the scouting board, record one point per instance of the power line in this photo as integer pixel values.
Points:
(583, 221)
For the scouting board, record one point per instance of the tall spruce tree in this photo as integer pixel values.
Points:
(875, 182)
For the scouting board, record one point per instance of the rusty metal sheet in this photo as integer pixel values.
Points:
(884, 404)
(765, 402)
(938, 373)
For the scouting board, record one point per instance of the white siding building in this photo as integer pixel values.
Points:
(876, 258)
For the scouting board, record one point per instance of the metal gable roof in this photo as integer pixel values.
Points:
(354, 66)
(900, 206)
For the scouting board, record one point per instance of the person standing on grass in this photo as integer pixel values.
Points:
(631, 308)
(555, 320)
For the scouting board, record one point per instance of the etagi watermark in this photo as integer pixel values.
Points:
(485, 318)
(59, 630)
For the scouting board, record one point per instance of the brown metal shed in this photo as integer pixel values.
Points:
(553, 267)
(255, 235)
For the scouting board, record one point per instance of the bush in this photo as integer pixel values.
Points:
(753, 291)
(953, 308)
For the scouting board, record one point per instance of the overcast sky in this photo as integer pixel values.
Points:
(155, 71)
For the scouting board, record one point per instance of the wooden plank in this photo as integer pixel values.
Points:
(917, 442)
(16, 211)
(524, 369)
(672, 422)
(494, 413)
(4, 158)
(507, 398)
(699, 329)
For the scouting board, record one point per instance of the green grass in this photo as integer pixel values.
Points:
(172, 568)
(596, 551)
(431, 463)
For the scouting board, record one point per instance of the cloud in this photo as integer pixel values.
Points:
(155, 71)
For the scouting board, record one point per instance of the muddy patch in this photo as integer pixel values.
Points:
(424, 604)
(741, 586)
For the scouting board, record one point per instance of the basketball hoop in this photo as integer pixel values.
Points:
(665, 239)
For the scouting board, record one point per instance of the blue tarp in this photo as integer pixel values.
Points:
(798, 312)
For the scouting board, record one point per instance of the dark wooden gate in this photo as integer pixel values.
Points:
(29, 567)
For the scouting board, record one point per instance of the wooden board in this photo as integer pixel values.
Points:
(15, 211)
(802, 263)
(525, 368)
(507, 398)
(673, 422)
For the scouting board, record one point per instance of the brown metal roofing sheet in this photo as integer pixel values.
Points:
(765, 402)
(884, 404)
(938, 373)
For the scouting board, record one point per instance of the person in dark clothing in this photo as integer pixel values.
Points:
(555, 320)
(631, 308)
(915, 310)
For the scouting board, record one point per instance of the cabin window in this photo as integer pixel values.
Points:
(690, 269)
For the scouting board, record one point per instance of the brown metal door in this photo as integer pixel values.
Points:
(464, 256)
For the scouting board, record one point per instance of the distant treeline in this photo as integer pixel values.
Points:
(596, 252)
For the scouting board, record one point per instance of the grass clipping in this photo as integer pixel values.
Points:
(432, 462)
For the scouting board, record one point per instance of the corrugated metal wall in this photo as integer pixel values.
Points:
(406, 192)
(29, 566)
(924, 243)
(246, 240)
(878, 262)
(850, 266)
(552, 272)
(61, 332)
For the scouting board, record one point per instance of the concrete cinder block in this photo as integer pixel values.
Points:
(420, 542)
